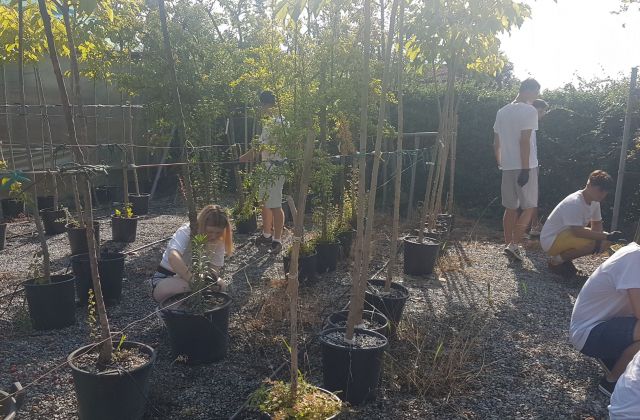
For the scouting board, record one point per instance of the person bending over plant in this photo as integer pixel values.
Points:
(173, 275)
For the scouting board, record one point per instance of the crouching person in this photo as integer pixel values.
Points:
(173, 275)
(604, 322)
(625, 400)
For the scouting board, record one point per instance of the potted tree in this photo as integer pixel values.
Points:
(325, 214)
(124, 224)
(198, 321)
(77, 234)
(14, 205)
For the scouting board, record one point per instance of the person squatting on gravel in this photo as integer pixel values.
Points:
(625, 400)
(565, 237)
(271, 191)
(604, 322)
(515, 151)
(172, 275)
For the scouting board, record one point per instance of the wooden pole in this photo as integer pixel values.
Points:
(7, 118)
(136, 182)
(47, 125)
(626, 134)
(412, 185)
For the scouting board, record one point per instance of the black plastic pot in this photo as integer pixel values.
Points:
(115, 394)
(346, 240)
(446, 219)
(391, 306)
(139, 203)
(327, 257)
(9, 405)
(3, 235)
(124, 229)
(45, 202)
(107, 194)
(352, 373)
(111, 270)
(54, 221)
(338, 320)
(307, 266)
(248, 226)
(12, 208)
(51, 305)
(199, 338)
(420, 258)
(78, 238)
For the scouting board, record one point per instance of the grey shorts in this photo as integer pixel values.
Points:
(513, 195)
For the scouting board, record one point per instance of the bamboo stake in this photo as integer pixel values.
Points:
(125, 170)
(452, 166)
(136, 182)
(47, 123)
(8, 120)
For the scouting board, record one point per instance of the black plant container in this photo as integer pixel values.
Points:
(327, 256)
(54, 221)
(307, 266)
(123, 229)
(52, 305)
(111, 270)
(392, 306)
(3, 235)
(352, 373)
(45, 202)
(139, 203)
(420, 258)
(339, 319)
(78, 238)
(113, 394)
(12, 208)
(199, 338)
(248, 226)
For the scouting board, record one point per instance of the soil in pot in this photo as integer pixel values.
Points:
(123, 229)
(51, 305)
(247, 226)
(199, 338)
(273, 401)
(307, 266)
(327, 256)
(45, 202)
(420, 258)
(391, 304)
(373, 321)
(111, 270)
(3, 235)
(54, 221)
(78, 238)
(346, 240)
(12, 208)
(352, 371)
(139, 203)
(118, 392)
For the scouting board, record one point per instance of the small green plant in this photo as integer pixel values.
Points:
(202, 274)
(126, 212)
(307, 248)
(36, 269)
(247, 208)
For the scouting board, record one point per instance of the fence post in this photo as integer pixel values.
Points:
(626, 133)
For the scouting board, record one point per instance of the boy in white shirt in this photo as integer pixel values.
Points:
(625, 400)
(565, 235)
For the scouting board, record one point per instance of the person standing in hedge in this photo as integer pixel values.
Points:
(271, 190)
(565, 235)
(541, 106)
(516, 154)
(604, 322)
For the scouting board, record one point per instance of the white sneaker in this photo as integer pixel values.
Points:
(514, 251)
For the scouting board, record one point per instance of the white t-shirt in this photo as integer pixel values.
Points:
(570, 212)
(604, 296)
(511, 120)
(625, 400)
(181, 242)
(267, 139)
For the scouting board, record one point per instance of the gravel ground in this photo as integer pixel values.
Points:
(519, 363)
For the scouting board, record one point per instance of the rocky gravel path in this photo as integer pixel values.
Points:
(519, 365)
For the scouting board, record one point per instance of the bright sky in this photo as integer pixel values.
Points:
(574, 37)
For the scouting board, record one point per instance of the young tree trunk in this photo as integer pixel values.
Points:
(46, 265)
(136, 181)
(7, 117)
(106, 349)
(398, 180)
(182, 130)
(46, 126)
(452, 165)
(125, 169)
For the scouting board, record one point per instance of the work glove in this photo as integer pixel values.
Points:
(523, 178)
(615, 236)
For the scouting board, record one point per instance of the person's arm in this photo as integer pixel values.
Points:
(634, 297)
(496, 147)
(586, 233)
(525, 148)
(596, 226)
(178, 265)
(249, 156)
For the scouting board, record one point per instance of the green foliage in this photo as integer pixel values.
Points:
(92, 319)
(126, 212)
(201, 271)
(36, 268)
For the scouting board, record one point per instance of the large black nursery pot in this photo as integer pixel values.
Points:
(3, 235)
(123, 229)
(445, 221)
(420, 258)
(112, 394)
(248, 226)
(111, 270)
(200, 338)
(139, 203)
(78, 238)
(9, 405)
(307, 266)
(107, 194)
(54, 221)
(45, 202)
(346, 240)
(12, 208)
(352, 371)
(374, 318)
(52, 305)
(391, 304)
(328, 254)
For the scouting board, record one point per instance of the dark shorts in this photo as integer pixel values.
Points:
(609, 339)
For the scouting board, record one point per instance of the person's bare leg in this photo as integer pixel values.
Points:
(521, 225)
(278, 223)
(535, 222)
(508, 223)
(168, 287)
(574, 253)
(623, 361)
(267, 221)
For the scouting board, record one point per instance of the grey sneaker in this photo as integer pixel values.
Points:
(606, 387)
(514, 251)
